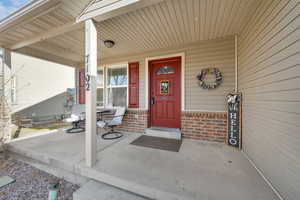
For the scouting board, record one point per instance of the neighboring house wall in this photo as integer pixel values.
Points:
(53, 106)
(269, 78)
(213, 53)
(38, 80)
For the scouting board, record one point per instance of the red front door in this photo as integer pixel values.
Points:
(165, 92)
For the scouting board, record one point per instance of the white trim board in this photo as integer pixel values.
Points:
(182, 55)
(199, 111)
(207, 111)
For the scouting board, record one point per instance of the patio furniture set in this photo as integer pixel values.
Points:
(107, 118)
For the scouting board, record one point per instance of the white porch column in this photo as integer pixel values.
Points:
(91, 73)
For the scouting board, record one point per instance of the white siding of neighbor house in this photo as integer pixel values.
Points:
(51, 107)
(269, 78)
(38, 80)
(213, 53)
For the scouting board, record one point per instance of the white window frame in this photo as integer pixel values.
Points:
(107, 87)
(102, 87)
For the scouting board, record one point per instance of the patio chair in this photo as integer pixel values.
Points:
(116, 120)
(77, 116)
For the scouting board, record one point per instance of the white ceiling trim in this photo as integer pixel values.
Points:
(105, 9)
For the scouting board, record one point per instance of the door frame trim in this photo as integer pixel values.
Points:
(147, 77)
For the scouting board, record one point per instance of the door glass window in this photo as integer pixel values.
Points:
(165, 70)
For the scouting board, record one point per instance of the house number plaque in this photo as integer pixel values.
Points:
(234, 116)
(87, 76)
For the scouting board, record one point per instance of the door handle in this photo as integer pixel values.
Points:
(152, 100)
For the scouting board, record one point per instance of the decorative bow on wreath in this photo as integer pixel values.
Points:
(204, 72)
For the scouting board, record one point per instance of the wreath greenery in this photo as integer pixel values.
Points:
(204, 72)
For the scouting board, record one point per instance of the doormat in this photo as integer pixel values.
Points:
(158, 143)
(5, 180)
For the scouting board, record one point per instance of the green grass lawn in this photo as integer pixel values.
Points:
(25, 132)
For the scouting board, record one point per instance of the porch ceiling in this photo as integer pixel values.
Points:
(169, 23)
(50, 15)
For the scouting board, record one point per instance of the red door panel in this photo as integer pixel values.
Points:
(165, 92)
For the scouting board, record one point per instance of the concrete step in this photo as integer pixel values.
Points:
(80, 174)
(94, 190)
(172, 133)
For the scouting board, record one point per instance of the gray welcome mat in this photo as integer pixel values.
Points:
(5, 180)
(158, 143)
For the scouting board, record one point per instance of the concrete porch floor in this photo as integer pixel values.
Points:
(201, 170)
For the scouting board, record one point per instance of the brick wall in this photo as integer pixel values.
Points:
(134, 121)
(204, 126)
(194, 125)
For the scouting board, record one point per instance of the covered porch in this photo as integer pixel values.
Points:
(144, 37)
(255, 46)
(201, 170)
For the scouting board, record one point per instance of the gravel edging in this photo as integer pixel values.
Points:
(31, 183)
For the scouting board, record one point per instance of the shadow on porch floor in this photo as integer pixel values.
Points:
(201, 170)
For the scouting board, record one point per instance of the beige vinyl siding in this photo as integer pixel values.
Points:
(269, 78)
(213, 53)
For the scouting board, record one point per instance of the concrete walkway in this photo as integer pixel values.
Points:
(201, 170)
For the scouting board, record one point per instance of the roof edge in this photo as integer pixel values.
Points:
(27, 8)
(112, 8)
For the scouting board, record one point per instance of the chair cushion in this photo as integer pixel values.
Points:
(73, 118)
(101, 124)
(118, 117)
(114, 122)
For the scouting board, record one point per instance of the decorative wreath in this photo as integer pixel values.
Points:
(204, 72)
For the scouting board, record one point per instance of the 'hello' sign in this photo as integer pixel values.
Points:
(234, 113)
